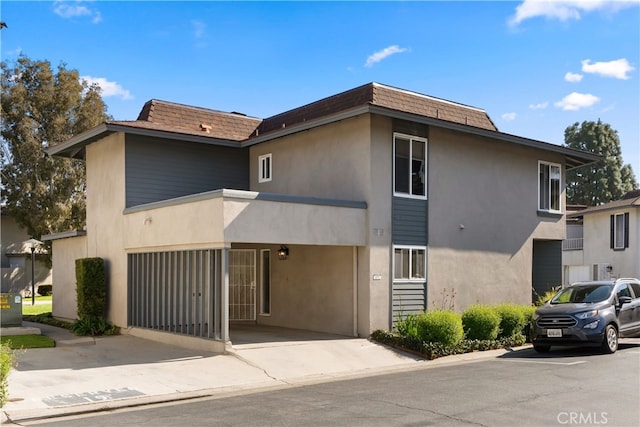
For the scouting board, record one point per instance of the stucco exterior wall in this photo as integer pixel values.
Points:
(483, 218)
(328, 161)
(105, 203)
(218, 220)
(65, 252)
(195, 225)
(597, 247)
(379, 193)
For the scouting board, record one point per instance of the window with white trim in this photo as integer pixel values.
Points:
(409, 263)
(620, 231)
(409, 166)
(549, 187)
(264, 168)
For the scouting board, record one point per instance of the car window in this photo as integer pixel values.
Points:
(636, 289)
(623, 291)
(582, 294)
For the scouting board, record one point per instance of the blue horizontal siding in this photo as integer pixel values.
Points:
(409, 221)
(158, 169)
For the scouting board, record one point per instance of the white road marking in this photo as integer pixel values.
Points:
(546, 363)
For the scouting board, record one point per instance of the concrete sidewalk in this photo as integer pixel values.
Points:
(84, 374)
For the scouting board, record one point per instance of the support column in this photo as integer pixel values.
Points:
(224, 295)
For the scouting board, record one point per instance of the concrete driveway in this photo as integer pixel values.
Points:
(84, 374)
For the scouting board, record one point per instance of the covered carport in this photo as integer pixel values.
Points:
(197, 264)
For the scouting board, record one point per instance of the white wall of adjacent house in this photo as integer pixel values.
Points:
(16, 260)
(597, 245)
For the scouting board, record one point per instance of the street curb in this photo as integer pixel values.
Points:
(32, 415)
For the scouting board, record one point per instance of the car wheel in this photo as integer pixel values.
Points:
(541, 348)
(610, 340)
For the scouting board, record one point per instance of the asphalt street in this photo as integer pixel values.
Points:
(564, 387)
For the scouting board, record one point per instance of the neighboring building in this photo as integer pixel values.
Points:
(603, 241)
(338, 216)
(16, 259)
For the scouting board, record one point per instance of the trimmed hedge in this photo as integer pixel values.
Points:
(429, 333)
(481, 322)
(434, 350)
(91, 287)
(512, 319)
(440, 326)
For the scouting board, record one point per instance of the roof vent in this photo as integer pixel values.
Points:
(206, 128)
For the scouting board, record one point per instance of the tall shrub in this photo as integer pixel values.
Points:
(481, 322)
(91, 288)
(440, 326)
(512, 319)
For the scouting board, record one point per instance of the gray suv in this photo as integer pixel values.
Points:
(589, 313)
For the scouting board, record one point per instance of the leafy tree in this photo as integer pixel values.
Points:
(605, 180)
(42, 108)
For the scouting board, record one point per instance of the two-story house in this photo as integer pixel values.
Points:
(603, 241)
(337, 216)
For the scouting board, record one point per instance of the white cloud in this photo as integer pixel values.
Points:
(618, 69)
(108, 88)
(509, 116)
(573, 77)
(384, 53)
(565, 10)
(540, 106)
(74, 9)
(575, 101)
(199, 28)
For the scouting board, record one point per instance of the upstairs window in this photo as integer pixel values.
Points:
(620, 231)
(410, 160)
(549, 188)
(264, 168)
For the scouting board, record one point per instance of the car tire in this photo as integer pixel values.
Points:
(541, 348)
(610, 340)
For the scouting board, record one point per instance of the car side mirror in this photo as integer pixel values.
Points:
(624, 300)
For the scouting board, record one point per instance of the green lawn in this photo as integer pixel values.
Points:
(28, 341)
(43, 305)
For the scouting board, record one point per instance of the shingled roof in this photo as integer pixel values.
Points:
(185, 119)
(382, 96)
(160, 118)
(629, 200)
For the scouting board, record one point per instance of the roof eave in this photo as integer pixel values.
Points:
(573, 158)
(633, 203)
(301, 127)
(75, 147)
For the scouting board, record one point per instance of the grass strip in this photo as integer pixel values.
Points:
(16, 342)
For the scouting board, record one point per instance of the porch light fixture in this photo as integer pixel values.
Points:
(33, 244)
(283, 252)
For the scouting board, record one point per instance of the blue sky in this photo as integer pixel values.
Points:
(535, 67)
